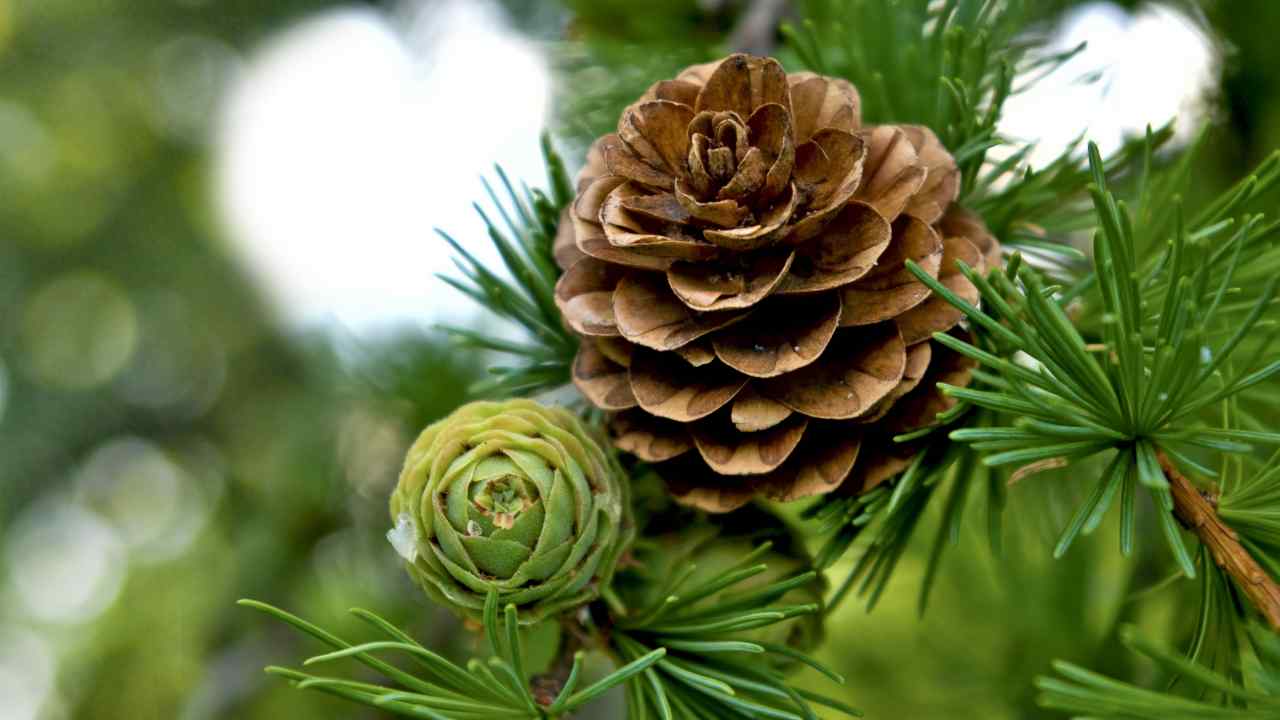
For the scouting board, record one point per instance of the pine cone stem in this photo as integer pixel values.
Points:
(547, 686)
(1198, 513)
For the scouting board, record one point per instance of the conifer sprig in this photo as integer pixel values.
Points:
(885, 520)
(529, 219)
(1039, 209)
(1142, 391)
(438, 689)
(958, 59)
(681, 658)
(1200, 692)
(952, 66)
(710, 670)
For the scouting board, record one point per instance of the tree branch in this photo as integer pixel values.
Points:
(546, 686)
(1198, 513)
(757, 28)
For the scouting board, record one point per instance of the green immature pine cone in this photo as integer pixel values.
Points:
(511, 496)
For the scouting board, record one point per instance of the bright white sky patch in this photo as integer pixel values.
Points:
(354, 134)
(1156, 65)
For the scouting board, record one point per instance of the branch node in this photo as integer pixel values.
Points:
(1197, 510)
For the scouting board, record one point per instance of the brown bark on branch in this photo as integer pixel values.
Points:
(1198, 513)
(546, 686)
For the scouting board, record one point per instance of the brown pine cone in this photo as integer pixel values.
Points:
(734, 262)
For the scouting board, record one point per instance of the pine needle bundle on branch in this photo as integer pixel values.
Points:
(775, 289)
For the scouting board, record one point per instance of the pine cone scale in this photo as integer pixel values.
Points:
(753, 412)
(656, 129)
(857, 371)
(742, 83)
(821, 102)
(584, 296)
(935, 314)
(649, 314)
(708, 288)
(890, 289)
(828, 170)
(730, 452)
(783, 335)
(715, 213)
(604, 382)
(650, 438)
(666, 386)
(847, 250)
(825, 457)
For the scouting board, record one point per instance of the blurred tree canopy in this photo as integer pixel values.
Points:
(128, 332)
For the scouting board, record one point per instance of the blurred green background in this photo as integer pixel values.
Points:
(176, 433)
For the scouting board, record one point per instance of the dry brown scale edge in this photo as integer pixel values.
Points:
(734, 262)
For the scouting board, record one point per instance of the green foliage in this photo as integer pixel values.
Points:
(1250, 493)
(734, 616)
(1230, 254)
(438, 689)
(885, 519)
(710, 670)
(949, 66)
(1140, 390)
(527, 297)
(615, 51)
(1204, 694)
(1040, 209)
(679, 657)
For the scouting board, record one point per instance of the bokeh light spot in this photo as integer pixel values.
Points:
(78, 331)
(137, 488)
(27, 671)
(191, 74)
(147, 494)
(66, 564)
(27, 151)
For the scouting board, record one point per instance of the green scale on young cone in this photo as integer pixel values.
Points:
(515, 497)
